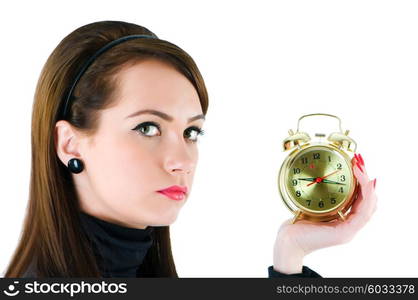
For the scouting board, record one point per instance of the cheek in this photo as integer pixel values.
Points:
(123, 170)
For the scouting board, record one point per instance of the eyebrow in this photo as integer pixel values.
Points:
(162, 115)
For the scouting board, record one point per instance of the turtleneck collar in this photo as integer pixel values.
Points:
(120, 250)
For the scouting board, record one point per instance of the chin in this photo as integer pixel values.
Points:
(165, 220)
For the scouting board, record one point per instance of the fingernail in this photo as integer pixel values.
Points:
(374, 183)
(357, 158)
(358, 165)
(361, 159)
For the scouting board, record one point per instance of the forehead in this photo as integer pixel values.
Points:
(153, 84)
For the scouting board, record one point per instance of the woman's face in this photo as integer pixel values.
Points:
(145, 143)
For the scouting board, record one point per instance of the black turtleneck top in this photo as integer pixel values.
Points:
(119, 250)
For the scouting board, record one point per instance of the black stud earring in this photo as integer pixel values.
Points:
(75, 165)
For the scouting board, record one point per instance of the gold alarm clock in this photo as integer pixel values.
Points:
(316, 180)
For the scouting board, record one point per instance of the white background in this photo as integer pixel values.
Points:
(265, 64)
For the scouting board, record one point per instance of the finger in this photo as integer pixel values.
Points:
(365, 200)
(361, 213)
(357, 202)
(360, 173)
(360, 160)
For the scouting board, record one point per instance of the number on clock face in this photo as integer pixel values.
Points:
(319, 179)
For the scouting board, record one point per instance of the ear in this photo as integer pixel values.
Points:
(66, 141)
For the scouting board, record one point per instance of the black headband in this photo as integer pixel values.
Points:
(90, 61)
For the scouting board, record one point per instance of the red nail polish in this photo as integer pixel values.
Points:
(358, 165)
(361, 159)
(356, 157)
(374, 183)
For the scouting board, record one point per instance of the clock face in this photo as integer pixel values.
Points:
(319, 179)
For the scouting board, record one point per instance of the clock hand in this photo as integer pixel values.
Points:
(319, 179)
(307, 179)
(330, 174)
(330, 181)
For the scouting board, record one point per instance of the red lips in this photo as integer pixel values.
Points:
(175, 192)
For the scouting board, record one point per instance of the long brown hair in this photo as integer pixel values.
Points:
(52, 239)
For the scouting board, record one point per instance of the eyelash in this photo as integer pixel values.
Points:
(191, 128)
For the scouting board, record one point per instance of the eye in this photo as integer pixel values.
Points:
(192, 133)
(148, 129)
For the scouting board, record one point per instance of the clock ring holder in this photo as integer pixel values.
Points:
(337, 142)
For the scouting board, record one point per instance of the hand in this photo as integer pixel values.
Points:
(294, 241)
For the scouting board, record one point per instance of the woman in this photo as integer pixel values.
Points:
(116, 117)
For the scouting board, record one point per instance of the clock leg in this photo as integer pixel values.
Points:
(297, 214)
(341, 215)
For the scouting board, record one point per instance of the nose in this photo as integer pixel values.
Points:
(179, 159)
